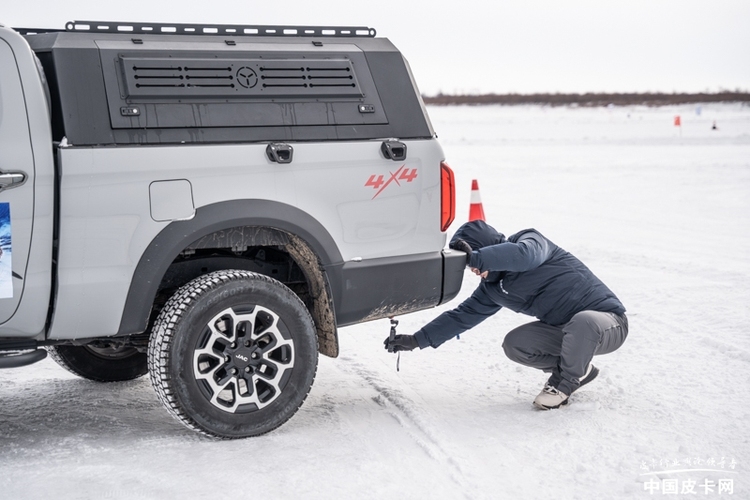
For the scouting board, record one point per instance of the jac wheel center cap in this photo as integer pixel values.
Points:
(243, 357)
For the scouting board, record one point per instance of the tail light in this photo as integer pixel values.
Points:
(447, 196)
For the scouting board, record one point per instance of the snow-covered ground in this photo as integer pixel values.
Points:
(661, 215)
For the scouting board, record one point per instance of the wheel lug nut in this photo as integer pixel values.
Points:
(254, 355)
(247, 343)
(234, 345)
(234, 371)
(247, 369)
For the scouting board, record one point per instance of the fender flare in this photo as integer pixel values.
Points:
(179, 235)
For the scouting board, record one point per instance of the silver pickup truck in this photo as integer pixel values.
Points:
(208, 204)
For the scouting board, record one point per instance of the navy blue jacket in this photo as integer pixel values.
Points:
(527, 274)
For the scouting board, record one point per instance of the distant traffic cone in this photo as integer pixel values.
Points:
(476, 211)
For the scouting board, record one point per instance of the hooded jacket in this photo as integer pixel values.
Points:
(527, 273)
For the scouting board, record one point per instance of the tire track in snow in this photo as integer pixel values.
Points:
(402, 410)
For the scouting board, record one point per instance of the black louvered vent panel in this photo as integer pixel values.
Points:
(181, 78)
(338, 76)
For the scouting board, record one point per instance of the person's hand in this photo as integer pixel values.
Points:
(400, 343)
(479, 273)
(461, 245)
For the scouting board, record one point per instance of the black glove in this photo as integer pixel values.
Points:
(461, 245)
(400, 343)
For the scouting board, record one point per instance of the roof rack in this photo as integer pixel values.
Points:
(214, 29)
(36, 31)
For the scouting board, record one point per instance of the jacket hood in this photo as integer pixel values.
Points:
(478, 234)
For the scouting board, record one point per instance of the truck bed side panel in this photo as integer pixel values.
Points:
(381, 209)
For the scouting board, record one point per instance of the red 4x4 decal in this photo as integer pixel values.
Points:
(403, 174)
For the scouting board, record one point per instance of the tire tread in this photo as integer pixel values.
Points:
(163, 333)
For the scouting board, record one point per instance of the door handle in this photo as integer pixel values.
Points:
(279, 152)
(10, 180)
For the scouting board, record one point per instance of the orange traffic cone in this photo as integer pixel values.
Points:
(476, 211)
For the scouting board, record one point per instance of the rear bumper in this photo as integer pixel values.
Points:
(380, 288)
(454, 265)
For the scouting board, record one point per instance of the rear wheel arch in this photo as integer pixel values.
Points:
(235, 225)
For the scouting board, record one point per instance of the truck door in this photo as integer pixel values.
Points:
(16, 184)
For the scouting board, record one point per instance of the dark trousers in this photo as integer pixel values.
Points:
(566, 350)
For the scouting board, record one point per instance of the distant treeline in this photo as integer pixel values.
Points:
(589, 99)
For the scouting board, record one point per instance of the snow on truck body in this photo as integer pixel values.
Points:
(137, 163)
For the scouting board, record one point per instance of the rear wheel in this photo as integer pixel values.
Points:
(233, 354)
(113, 363)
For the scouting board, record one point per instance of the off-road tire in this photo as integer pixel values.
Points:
(101, 364)
(189, 335)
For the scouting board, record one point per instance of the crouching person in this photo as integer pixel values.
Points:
(578, 316)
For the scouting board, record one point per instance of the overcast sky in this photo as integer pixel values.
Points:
(473, 46)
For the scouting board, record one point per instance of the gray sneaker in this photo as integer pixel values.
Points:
(550, 398)
(591, 373)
